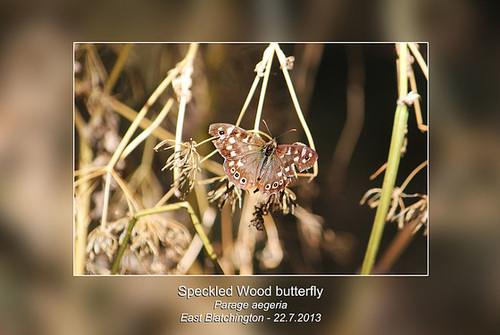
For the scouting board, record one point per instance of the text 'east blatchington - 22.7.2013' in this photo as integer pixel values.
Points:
(226, 310)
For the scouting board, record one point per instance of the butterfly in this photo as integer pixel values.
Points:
(249, 161)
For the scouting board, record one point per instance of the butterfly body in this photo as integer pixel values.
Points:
(250, 162)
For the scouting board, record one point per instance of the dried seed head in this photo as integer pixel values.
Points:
(101, 241)
(225, 192)
(187, 161)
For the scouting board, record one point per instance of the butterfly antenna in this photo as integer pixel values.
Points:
(286, 132)
(267, 127)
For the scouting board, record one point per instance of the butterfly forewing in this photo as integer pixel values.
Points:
(234, 141)
(242, 151)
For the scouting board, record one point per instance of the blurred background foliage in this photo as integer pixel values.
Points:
(39, 294)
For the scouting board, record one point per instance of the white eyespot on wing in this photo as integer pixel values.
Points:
(268, 187)
(275, 184)
(243, 181)
(237, 175)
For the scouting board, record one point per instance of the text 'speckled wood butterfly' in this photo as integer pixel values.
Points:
(250, 161)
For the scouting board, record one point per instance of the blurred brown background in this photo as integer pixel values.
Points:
(39, 294)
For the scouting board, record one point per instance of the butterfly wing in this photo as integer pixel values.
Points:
(233, 141)
(273, 177)
(242, 152)
(301, 156)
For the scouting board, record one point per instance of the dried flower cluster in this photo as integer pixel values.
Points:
(225, 192)
(415, 214)
(156, 245)
(187, 162)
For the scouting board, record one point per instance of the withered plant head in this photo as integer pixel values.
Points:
(187, 162)
(223, 192)
(260, 211)
(101, 240)
(414, 214)
(283, 202)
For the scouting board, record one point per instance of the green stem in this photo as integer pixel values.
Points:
(398, 135)
(123, 246)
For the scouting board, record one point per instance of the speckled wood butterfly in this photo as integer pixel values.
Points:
(250, 161)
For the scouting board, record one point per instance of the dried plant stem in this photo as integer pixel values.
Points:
(412, 174)
(398, 134)
(298, 110)
(178, 132)
(165, 198)
(133, 127)
(246, 237)
(82, 219)
(395, 249)
(130, 114)
(187, 61)
(117, 68)
(145, 134)
(416, 103)
(249, 98)
(268, 56)
(273, 243)
(99, 172)
(420, 60)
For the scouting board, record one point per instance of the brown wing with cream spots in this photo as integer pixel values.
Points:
(233, 141)
(301, 156)
(273, 177)
(241, 152)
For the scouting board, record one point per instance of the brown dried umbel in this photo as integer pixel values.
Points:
(186, 161)
(225, 192)
(284, 202)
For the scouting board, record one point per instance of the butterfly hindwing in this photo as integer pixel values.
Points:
(272, 177)
(241, 171)
(301, 156)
